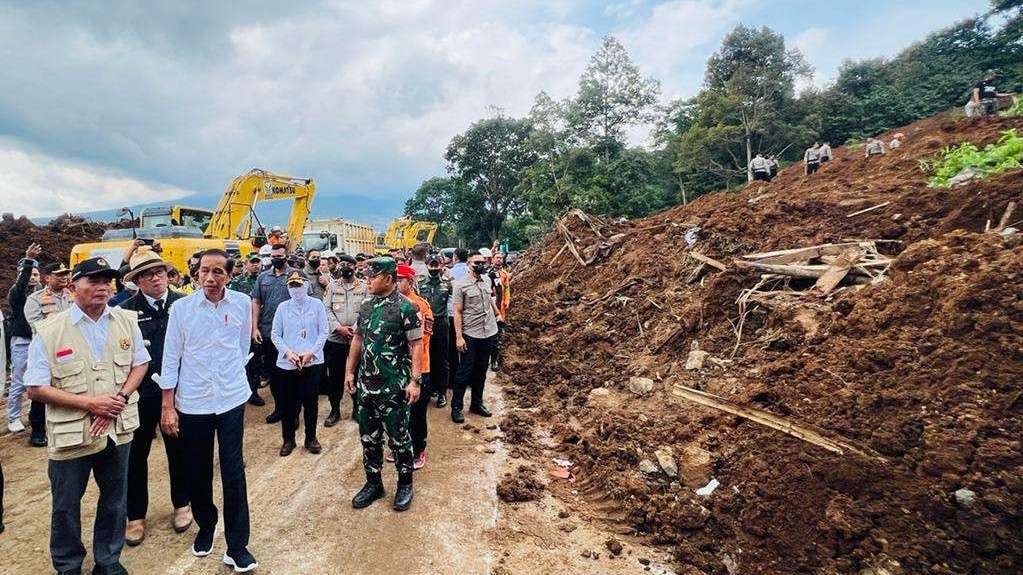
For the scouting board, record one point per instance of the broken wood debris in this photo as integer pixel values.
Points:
(707, 260)
(829, 264)
(768, 419)
(870, 209)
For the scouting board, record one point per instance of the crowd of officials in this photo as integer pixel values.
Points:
(107, 355)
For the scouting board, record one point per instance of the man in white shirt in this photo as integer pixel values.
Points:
(85, 364)
(204, 394)
(299, 331)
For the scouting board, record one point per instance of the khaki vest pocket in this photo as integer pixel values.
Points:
(122, 366)
(69, 377)
(68, 433)
(129, 419)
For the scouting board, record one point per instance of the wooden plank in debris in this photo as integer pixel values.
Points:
(570, 243)
(1002, 223)
(870, 209)
(709, 261)
(807, 271)
(796, 255)
(836, 272)
(767, 419)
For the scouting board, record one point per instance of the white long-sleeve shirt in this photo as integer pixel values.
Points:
(205, 352)
(300, 328)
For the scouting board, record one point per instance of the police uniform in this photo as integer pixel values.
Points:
(342, 300)
(78, 355)
(387, 326)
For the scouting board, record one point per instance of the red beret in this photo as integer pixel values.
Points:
(406, 271)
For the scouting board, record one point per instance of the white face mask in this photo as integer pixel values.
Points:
(298, 293)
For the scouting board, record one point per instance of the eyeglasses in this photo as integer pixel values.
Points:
(152, 273)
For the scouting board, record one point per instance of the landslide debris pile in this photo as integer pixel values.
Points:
(920, 369)
(56, 237)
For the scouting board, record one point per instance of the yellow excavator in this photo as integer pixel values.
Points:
(403, 233)
(183, 231)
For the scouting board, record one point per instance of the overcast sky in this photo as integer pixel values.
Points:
(104, 104)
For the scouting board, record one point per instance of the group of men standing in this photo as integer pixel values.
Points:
(109, 376)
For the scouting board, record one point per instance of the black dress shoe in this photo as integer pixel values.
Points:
(287, 448)
(369, 493)
(403, 497)
(37, 440)
(442, 400)
(254, 399)
(273, 417)
(115, 569)
(480, 410)
(313, 447)
(456, 416)
(332, 419)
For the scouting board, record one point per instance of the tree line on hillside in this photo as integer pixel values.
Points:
(510, 178)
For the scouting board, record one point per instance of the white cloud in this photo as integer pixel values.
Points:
(37, 185)
(813, 43)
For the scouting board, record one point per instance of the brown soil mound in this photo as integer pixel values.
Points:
(924, 369)
(57, 239)
(520, 485)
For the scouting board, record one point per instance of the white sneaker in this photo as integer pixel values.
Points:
(16, 426)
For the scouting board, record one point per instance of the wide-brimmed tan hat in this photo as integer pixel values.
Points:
(142, 261)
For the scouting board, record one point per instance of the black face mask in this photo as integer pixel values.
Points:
(479, 269)
(314, 263)
(347, 272)
(279, 263)
(434, 272)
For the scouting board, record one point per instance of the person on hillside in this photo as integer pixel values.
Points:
(895, 144)
(204, 395)
(269, 290)
(40, 305)
(86, 364)
(299, 332)
(760, 168)
(476, 317)
(772, 167)
(342, 301)
(417, 411)
(984, 96)
(436, 289)
(825, 152)
(812, 159)
(874, 147)
(384, 363)
(21, 333)
(152, 303)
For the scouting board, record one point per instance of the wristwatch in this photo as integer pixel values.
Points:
(121, 393)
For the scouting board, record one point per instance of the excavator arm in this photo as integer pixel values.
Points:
(234, 214)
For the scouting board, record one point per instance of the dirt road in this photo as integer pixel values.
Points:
(301, 513)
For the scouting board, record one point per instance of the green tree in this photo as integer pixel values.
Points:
(488, 160)
(612, 96)
(433, 201)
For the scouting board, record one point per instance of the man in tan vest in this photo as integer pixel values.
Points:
(85, 364)
(39, 305)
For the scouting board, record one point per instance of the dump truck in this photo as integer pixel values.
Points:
(339, 235)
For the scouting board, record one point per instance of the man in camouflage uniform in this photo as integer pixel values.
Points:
(387, 352)
(436, 289)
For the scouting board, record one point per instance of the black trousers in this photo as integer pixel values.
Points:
(439, 356)
(335, 361)
(300, 392)
(761, 176)
(453, 360)
(269, 359)
(138, 461)
(197, 434)
(417, 413)
(254, 368)
(68, 481)
(812, 167)
(472, 371)
(37, 418)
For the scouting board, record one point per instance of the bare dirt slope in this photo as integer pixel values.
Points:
(922, 371)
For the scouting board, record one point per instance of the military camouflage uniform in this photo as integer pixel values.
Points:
(243, 283)
(387, 325)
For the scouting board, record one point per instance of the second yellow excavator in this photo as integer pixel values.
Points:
(403, 233)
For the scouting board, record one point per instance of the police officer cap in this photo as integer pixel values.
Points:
(296, 278)
(347, 258)
(97, 266)
(434, 259)
(382, 265)
(55, 268)
(361, 257)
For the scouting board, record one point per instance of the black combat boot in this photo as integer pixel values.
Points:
(403, 495)
(370, 492)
